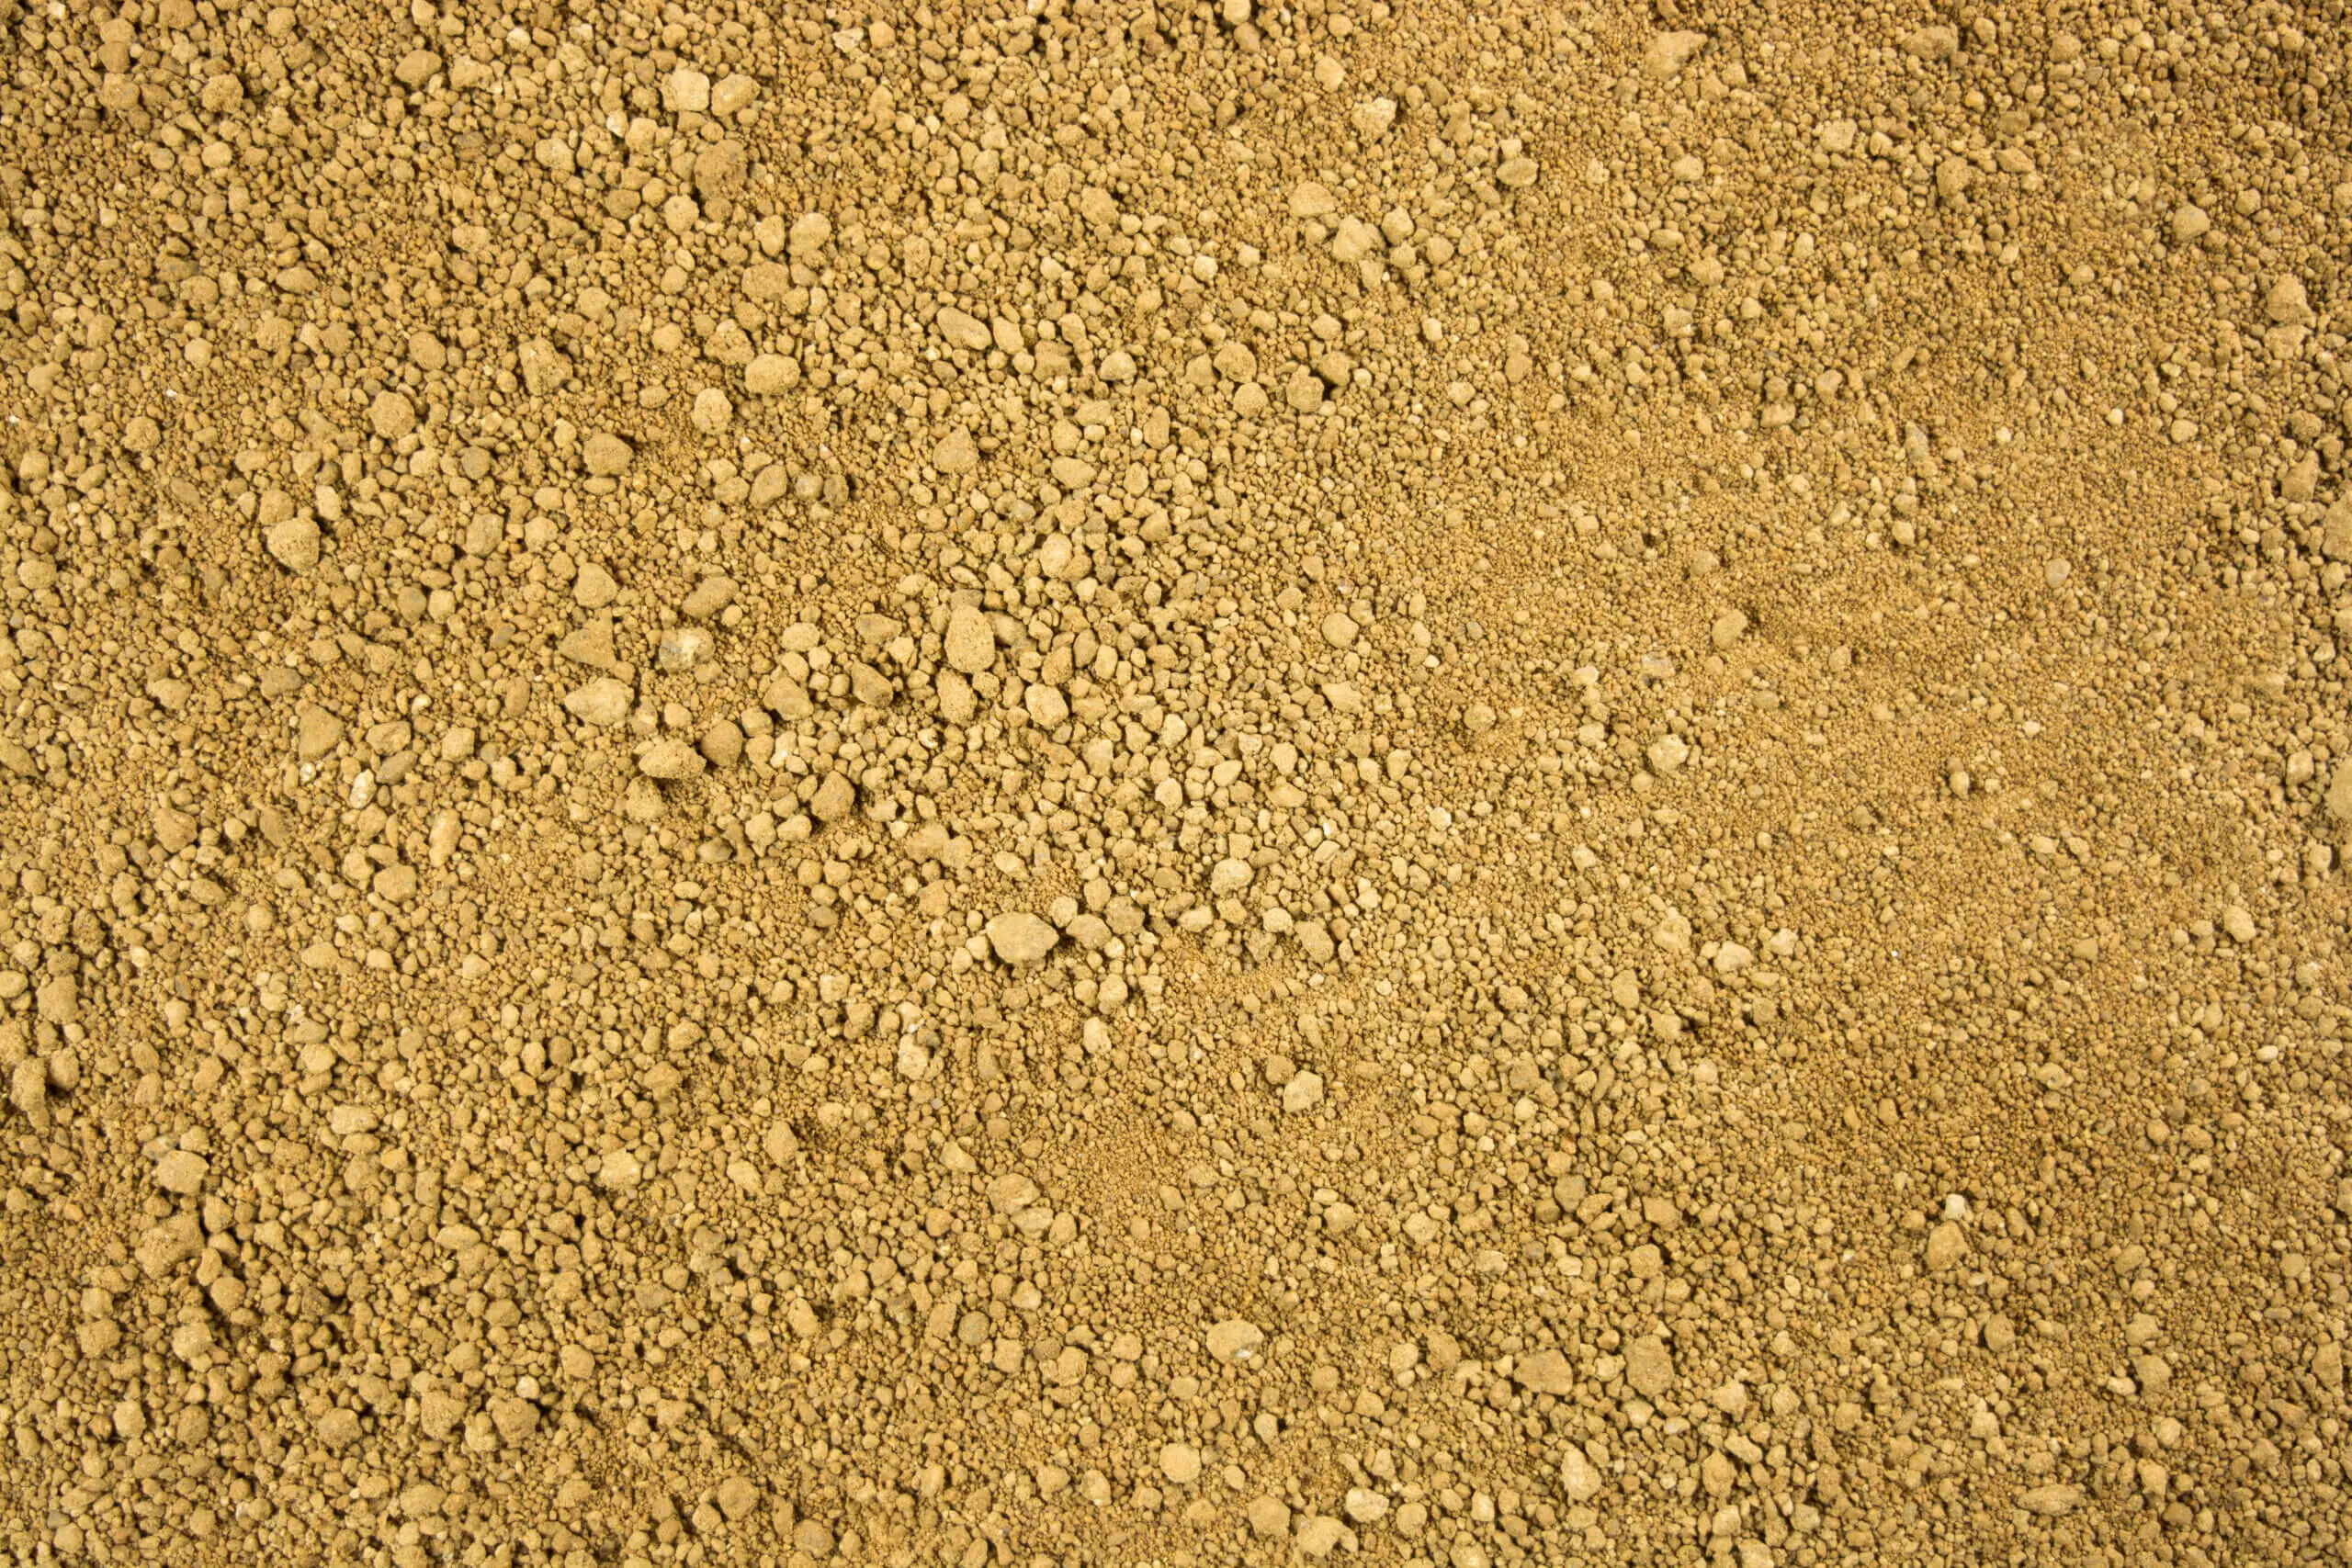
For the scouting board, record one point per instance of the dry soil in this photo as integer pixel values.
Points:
(1067, 783)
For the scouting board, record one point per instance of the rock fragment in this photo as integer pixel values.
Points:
(1666, 55)
(391, 415)
(1649, 1368)
(956, 453)
(2053, 1501)
(771, 375)
(1578, 1478)
(181, 1173)
(1268, 1518)
(605, 455)
(2339, 793)
(29, 1091)
(1236, 1340)
(294, 543)
(1020, 937)
(670, 760)
(2335, 530)
(1546, 1371)
(603, 702)
(970, 641)
(834, 797)
(1935, 42)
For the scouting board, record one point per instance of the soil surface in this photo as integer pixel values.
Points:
(1082, 784)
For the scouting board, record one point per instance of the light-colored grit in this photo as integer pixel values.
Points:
(1126, 785)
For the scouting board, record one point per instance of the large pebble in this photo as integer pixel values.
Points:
(1947, 1244)
(1666, 55)
(956, 453)
(1546, 1371)
(1649, 1367)
(605, 455)
(1236, 1339)
(391, 415)
(1020, 937)
(669, 760)
(603, 702)
(294, 543)
(182, 1173)
(970, 642)
(1578, 1479)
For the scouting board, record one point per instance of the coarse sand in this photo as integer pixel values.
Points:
(1133, 784)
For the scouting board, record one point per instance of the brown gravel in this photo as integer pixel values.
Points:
(1153, 784)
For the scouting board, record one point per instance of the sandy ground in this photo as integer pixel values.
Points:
(1082, 784)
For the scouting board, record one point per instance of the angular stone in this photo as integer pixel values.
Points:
(1947, 1244)
(834, 799)
(963, 330)
(1020, 937)
(592, 645)
(317, 732)
(1649, 1367)
(1546, 1371)
(2336, 531)
(771, 375)
(669, 760)
(603, 702)
(605, 455)
(181, 1173)
(2340, 792)
(1665, 55)
(1236, 1339)
(515, 1419)
(1578, 1479)
(294, 543)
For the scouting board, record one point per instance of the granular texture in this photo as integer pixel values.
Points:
(1068, 782)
